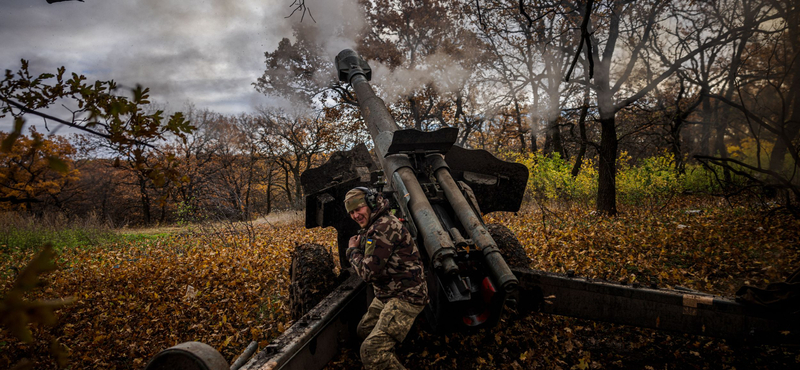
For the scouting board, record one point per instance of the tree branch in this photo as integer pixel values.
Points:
(70, 124)
(480, 16)
(585, 37)
(525, 14)
(300, 5)
(719, 161)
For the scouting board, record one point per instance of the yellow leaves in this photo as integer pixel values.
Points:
(645, 247)
(60, 352)
(227, 341)
(582, 364)
(137, 308)
(35, 166)
(16, 312)
(133, 295)
(438, 358)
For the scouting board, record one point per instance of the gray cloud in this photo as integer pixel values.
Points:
(207, 53)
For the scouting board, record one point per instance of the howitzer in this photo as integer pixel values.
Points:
(468, 277)
(439, 190)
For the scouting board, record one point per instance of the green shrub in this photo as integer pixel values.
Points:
(186, 212)
(700, 179)
(649, 183)
(550, 178)
(750, 151)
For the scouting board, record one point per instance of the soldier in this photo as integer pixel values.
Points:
(384, 255)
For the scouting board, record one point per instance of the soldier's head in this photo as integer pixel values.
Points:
(357, 203)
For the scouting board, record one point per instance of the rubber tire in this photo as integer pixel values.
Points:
(509, 246)
(312, 278)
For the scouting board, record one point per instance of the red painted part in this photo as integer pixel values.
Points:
(475, 320)
(488, 290)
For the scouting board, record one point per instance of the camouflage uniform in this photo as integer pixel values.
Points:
(388, 258)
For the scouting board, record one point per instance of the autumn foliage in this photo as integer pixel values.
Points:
(37, 169)
(134, 298)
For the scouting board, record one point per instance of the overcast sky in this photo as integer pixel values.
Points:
(203, 52)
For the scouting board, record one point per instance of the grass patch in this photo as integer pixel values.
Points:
(23, 233)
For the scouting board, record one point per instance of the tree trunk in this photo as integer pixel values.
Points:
(719, 147)
(675, 136)
(298, 189)
(704, 146)
(415, 113)
(287, 188)
(576, 168)
(781, 148)
(607, 182)
(791, 128)
(552, 142)
(163, 218)
(249, 187)
(145, 199)
(269, 190)
(520, 126)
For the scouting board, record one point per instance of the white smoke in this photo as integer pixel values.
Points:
(441, 70)
(337, 24)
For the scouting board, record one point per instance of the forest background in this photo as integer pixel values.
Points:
(618, 108)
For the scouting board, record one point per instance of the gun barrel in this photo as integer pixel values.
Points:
(381, 126)
(500, 271)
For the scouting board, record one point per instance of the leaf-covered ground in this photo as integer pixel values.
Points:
(135, 299)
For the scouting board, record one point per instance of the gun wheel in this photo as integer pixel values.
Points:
(510, 247)
(312, 278)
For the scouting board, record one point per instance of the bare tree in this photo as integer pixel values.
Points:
(625, 37)
(294, 143)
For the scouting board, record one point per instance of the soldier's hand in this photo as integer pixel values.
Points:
(354, 241)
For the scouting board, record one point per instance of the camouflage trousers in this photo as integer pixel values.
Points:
(382, 327)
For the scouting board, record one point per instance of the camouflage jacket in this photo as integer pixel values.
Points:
(388, 258)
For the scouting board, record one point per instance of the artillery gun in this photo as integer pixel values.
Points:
(474, 271)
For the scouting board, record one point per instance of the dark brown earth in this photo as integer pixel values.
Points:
(552, 342)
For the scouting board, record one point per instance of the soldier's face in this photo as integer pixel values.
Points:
(360, 215)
